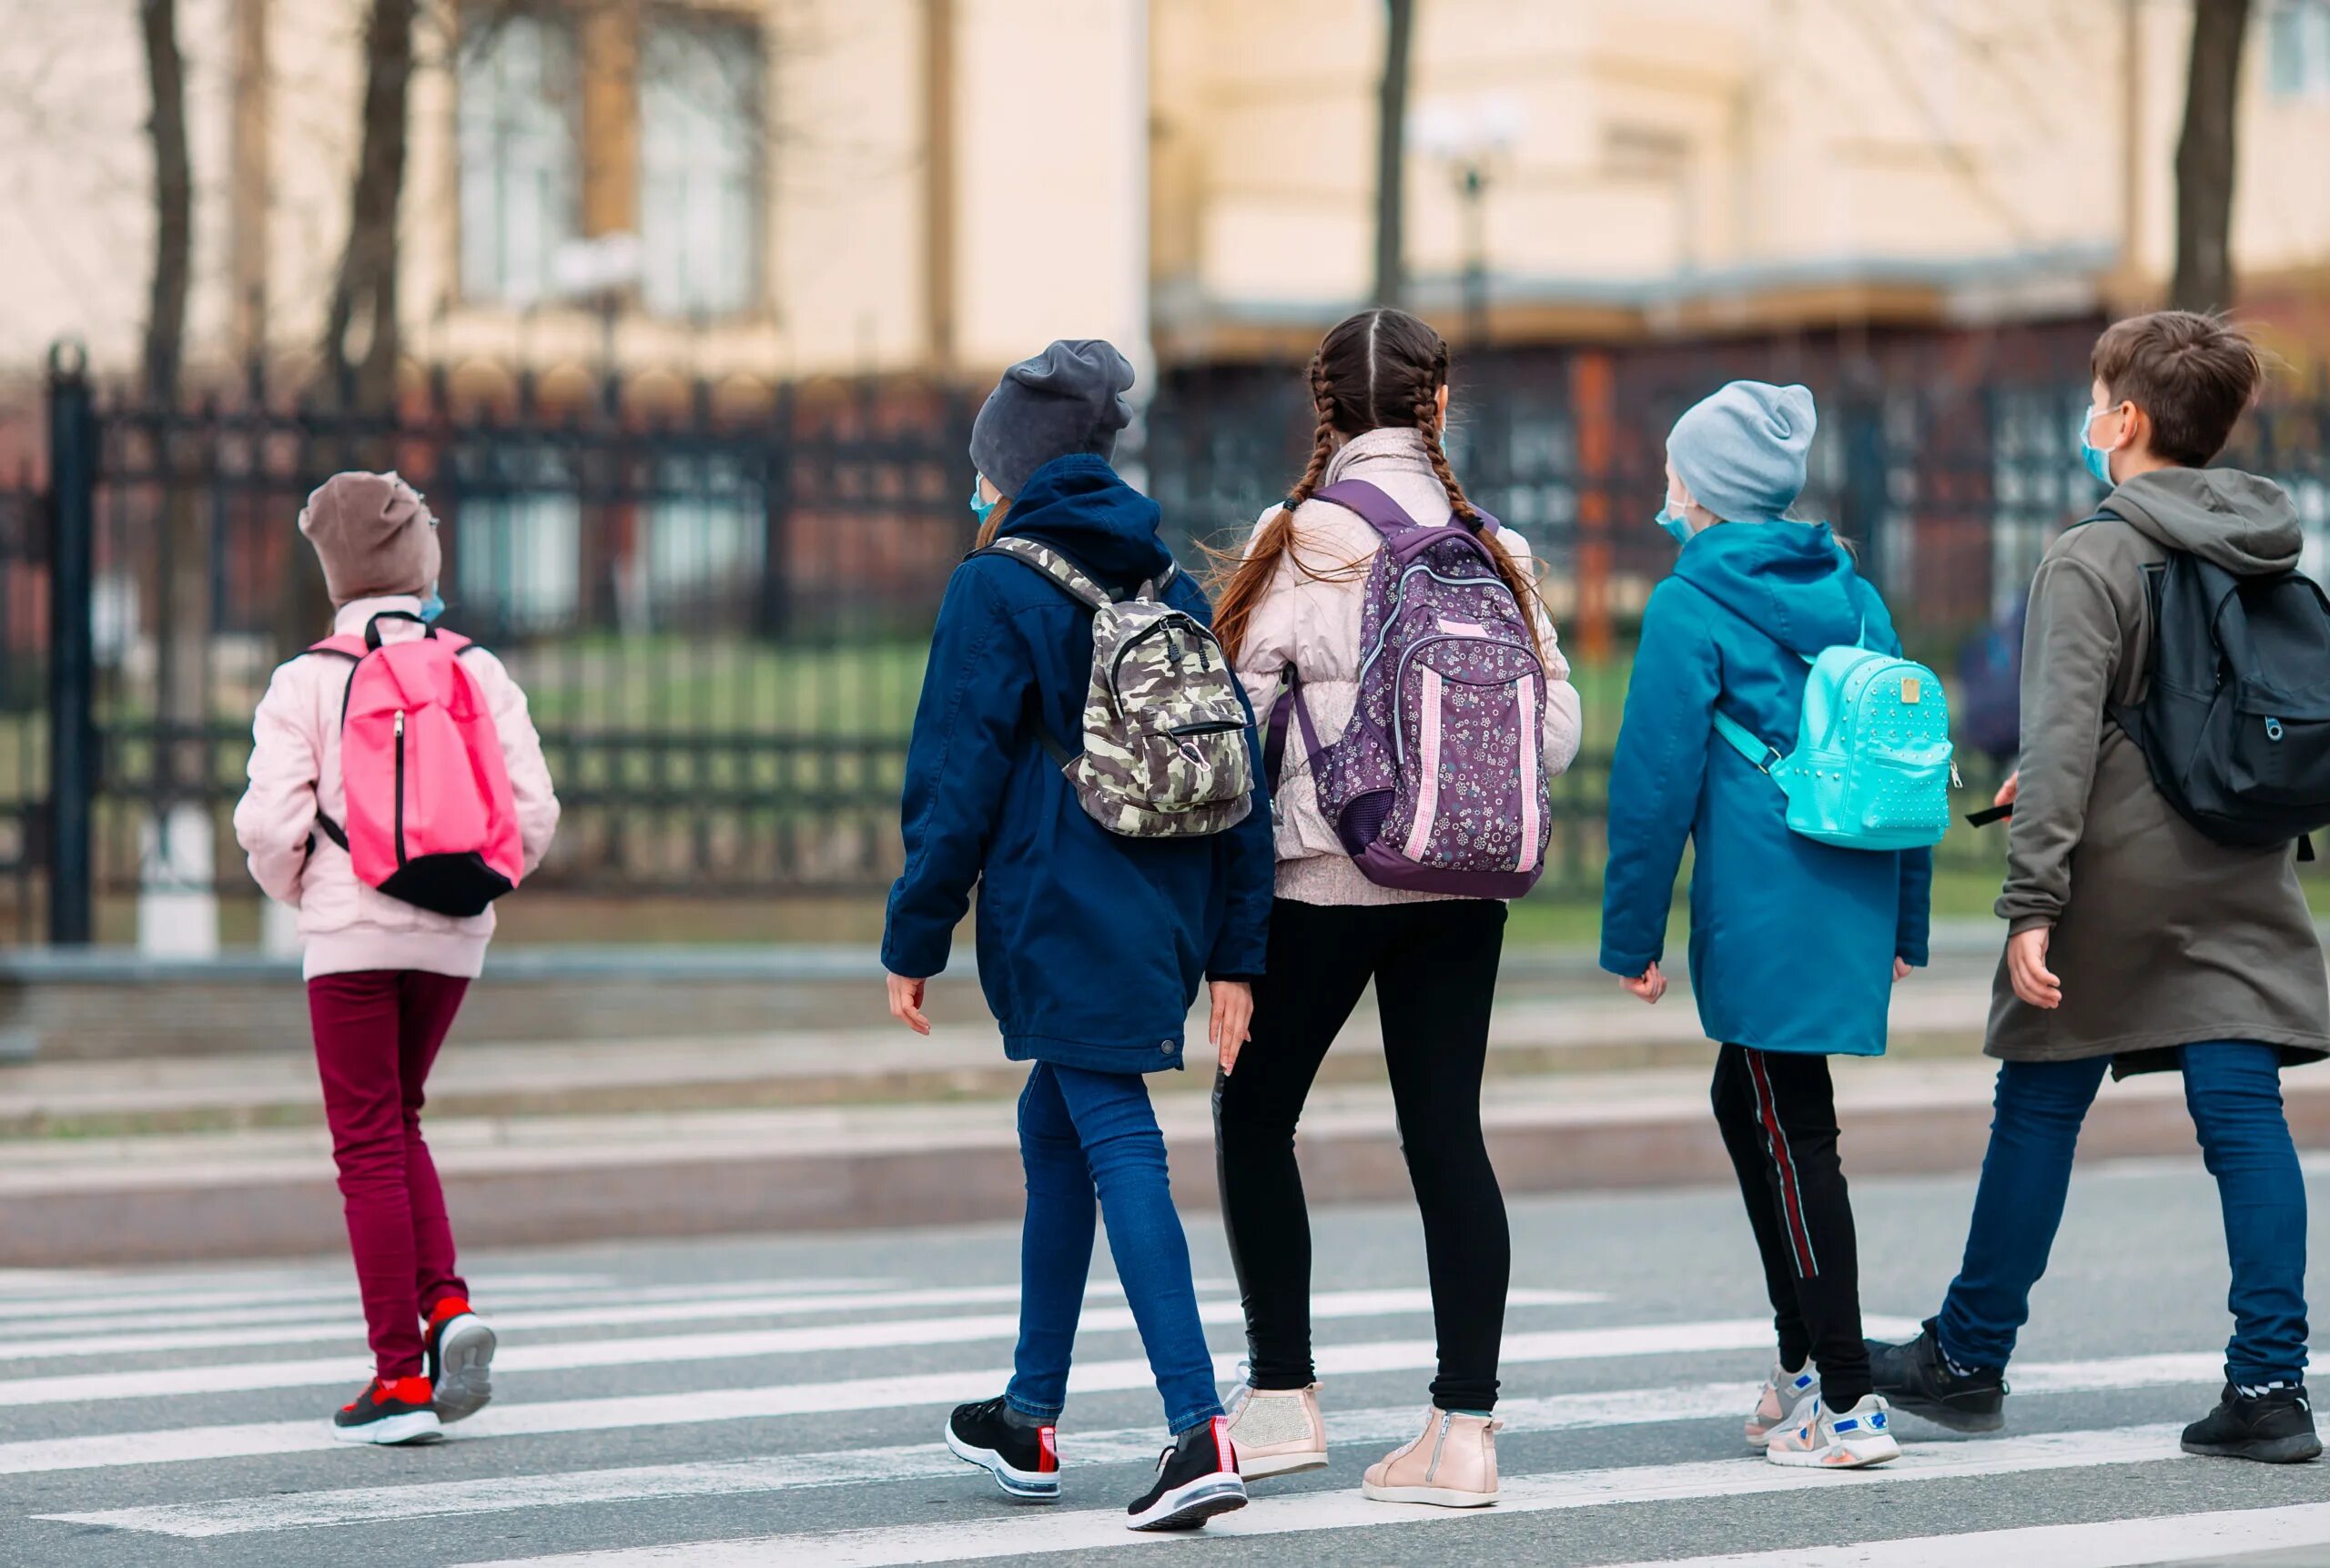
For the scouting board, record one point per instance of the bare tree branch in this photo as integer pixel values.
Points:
(1392, 148)
(173, 200)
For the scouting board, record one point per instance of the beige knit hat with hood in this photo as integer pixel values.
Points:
(374, 534)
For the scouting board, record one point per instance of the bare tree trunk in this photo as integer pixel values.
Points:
(366, 287)
(175, 909)
(1391, 148)
(173, 199)
(2205, 157)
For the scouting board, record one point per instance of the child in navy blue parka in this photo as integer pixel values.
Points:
(1795, 945)
(1091, 946)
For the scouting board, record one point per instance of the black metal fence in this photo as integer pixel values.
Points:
(718, 605)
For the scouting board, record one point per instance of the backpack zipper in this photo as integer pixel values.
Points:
(1401, 587)
(400, 817)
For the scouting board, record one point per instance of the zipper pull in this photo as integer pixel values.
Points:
(400, 724)
(1955, 781)
(2273, 729)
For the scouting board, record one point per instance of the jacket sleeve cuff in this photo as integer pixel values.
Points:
(914, 960)
(2021, 922)
(1628, 966)
(1913, 953)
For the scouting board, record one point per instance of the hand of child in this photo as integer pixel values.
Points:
(1900, 970)
(1650, 984)
(905, 1003)
(2008, 790)
(2026, 967)
(1233, 1014)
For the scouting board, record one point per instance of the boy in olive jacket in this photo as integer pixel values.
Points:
(2136, 943)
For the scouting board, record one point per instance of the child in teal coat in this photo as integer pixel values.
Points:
(1752, 597)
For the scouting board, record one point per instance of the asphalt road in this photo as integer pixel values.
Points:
(777, 1400)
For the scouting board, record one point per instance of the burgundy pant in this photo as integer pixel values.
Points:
(377, 1033)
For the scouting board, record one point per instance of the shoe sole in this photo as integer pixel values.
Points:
(464, 1383)
(1262, 1467)
(1430, 1496)
(2296, 1450)
(1016, 1485)
(1188, 1507)
(394, 1430)
(1818, 1459)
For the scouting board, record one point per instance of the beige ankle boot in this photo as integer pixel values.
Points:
(1451, 1465)
(1277, 1431)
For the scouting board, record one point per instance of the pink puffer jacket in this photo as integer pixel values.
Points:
(1313, 623)
(295, 771)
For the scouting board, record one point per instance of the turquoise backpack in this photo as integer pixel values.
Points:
(1873, 767)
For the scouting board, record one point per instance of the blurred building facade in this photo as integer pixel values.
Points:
(798, 188)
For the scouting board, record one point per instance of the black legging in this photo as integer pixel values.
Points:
(1434, 968)
(1777, 1110)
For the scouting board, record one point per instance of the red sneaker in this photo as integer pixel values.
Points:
(458, 1358)
(388, 1412)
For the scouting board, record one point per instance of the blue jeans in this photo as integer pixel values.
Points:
(2234, 1090)
(1081, 1132)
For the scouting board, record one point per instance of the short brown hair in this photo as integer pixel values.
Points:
(2192, 375)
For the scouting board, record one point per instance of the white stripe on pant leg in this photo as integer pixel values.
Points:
(1023, 1535)
(2107, 1544)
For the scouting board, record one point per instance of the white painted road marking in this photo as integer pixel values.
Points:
(1027, 1534)
(659, 1350)
(2107, 1544)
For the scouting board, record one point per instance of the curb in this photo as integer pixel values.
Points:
(975, 1176)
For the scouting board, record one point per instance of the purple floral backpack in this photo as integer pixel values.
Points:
(1439, 785)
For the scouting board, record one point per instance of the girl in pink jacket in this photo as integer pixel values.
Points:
(384, 978)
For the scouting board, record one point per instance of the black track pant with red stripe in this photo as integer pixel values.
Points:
(1777, 1111)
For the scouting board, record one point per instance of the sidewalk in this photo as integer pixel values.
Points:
(160, 1159)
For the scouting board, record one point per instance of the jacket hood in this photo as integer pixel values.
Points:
(1792, 581)
(1078, 505)
(2237, 521)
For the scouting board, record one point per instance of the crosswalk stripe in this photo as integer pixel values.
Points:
(335, 1313)
(666, 1349)
(171, 1445)
(174, 1292)
(1347, 1428)
(666, 1306)
(1024, 1533)
(2107, 1544)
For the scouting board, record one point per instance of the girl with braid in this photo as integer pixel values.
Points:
(1290, 607)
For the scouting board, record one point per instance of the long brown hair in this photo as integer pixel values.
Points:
(1381, 368)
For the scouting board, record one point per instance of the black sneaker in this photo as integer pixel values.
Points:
(457, 1358)
(389, 1412)
(1914, 1378)
(1024, 1460)
(2273, 1427)
(1197, 1478)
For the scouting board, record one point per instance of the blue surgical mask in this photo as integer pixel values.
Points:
(432, 606)
(982, 510)
(2098, 460)
(1677, 525)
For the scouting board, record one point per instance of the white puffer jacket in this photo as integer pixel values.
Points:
(1313, 623)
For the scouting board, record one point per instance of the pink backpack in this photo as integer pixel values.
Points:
(431, 820)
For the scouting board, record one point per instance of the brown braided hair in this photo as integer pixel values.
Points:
(1381, 368)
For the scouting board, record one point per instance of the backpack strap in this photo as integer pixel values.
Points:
(1761, 755)
(1052, 565)
(1387, 516)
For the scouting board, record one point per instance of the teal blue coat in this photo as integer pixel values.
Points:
(1792, 942)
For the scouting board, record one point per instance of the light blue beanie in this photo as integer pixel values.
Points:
(1741, 452)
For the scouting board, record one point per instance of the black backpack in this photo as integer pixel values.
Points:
(2235, 718)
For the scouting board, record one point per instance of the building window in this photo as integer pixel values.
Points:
(519, 101)
(518, 562)
(699, 137)
(706, 545)
(2297, 48)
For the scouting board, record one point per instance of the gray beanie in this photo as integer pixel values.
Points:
(1069, 399)
(1741, 452)
(374, 534)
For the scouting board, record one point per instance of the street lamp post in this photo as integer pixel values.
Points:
(1470, 137)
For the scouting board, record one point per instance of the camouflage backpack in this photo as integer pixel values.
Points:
(1164, 727)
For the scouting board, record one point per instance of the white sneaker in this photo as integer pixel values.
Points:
(1819, 1439)
(1781, 1401)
